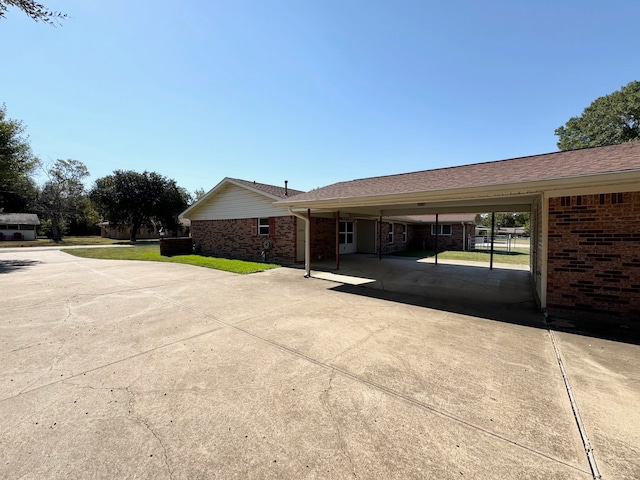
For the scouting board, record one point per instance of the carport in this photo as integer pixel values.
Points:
(437, 280)
(573, 198)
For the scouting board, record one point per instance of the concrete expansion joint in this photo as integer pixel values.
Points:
(574, 406)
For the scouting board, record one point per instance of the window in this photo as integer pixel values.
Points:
(391, 233)
(263, 226)
(442, 229)
(346, 232)
(404, 233)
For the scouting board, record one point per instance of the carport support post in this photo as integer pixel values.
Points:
(307, 245)
(380, 237)
(436, 238)
(493, 227)
(338, 240)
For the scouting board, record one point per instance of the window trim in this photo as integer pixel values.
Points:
(440, 228)
(262, 226)
(390, 234)
(346, 232)
(404, 233)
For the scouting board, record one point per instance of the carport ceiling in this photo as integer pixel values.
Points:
(478, 205)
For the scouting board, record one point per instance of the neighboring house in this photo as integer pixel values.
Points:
(124, 233)
(456, 231)
(18, 226)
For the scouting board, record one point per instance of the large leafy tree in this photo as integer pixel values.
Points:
(62, 198)
(34, 10)
(133, 199)
(609, 120)
(17, 164)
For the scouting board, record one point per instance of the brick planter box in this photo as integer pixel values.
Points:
(176, 246)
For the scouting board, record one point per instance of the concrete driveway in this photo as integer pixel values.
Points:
(146, 370)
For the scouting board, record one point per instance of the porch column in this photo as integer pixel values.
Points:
(307, 245)
(437, 238)
(338, 240)
(380, 237)
(493, 227)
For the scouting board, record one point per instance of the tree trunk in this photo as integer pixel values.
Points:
(134, 230)
(56, 234)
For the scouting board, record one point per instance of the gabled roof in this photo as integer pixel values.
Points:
(537, 168)
(19, 218)
(272, 192)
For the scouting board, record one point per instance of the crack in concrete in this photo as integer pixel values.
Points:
(360, 342)
(55, 361)
(145, 424)
(343, 444)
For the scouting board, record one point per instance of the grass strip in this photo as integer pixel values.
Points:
(151, 253)
(517, 256)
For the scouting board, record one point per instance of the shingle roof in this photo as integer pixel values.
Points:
(268, 189)
(19, 218)
(550, 166)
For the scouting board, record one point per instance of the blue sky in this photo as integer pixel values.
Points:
(314, 92)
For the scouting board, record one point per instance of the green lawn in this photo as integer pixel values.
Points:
(151, 253)
(66, 242)
(518, 256)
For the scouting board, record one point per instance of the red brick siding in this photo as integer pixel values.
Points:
(398, 245)
(422, 236)
(594, 254)
(238, 238)
(323, 238)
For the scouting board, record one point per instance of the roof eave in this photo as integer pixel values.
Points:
(485, 191)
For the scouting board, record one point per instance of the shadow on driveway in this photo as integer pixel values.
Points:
(503, 294)
(8, 266)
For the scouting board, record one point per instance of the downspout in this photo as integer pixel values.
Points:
(464, 236)
(307, 240)
(544, 253)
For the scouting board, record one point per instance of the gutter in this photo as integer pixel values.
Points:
(307, 240)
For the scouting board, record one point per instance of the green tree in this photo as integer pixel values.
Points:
(198, 194)
(609, 120)
(132, 199)
(34, 10)
(17, 164)
(61, 197)
(518, 219)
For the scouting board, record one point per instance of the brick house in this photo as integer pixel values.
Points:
(238, 219)
(585, 217)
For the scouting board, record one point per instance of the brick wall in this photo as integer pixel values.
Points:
(398, 244)
(421, 235)
(594, 254)
(238, 238)
(323, 238)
